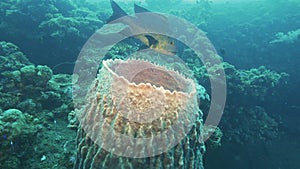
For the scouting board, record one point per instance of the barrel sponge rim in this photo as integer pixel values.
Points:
(187, 86)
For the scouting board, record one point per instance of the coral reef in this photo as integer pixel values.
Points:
(259, 82)
(250, 89)
(128, 96)
(36, 99)
(28, 87)
(16, 59)
(289, 37)
(34, 106)
(46, 26)
(250, 125)
(252, 85)
(201, 12)
(11, 61)
(17, 131)
(216, 134)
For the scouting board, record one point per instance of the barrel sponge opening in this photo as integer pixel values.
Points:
(139, 71)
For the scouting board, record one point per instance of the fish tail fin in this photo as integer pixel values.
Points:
(139, 9)
(118, 12)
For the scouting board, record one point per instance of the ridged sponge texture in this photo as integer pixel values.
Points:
(140, 115)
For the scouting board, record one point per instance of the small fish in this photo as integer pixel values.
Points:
(222, 51)
(159, 43)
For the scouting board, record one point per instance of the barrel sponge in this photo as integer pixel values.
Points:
(139, 115)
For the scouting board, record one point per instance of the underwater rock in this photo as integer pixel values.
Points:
(252, 85)
(30, 106)
(15, 124)
(46, 26)
(41, 99)
(59, 26)
(243, 121)
(8, 100)
(50, 97)
(142, 101)
(17, 131)
(14, 75)
(121, 51)
(38, 76)
(73, 121)
(28, 87)
(62, 111)
(60, 82)
(28, 74)
(11, 58)
(11, 162)
(260, 82)
(215, 138)
(60, 92)
(44, 73)
(31, 88)
(250, 125)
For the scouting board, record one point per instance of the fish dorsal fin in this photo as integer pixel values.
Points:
(151, 40)
(139, 9)
(118, 12)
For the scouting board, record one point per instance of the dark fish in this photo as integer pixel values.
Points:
(222, 51)
(160, 43)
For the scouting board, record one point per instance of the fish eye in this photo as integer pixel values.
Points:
(171, 42)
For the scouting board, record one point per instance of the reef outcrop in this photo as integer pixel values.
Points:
(33, 101)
